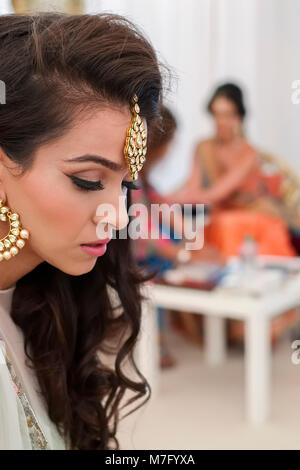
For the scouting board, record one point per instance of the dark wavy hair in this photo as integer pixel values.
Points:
(54, 65)
(231, 92)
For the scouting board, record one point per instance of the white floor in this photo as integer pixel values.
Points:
(201, 407)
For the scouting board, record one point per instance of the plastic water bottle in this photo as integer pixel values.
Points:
(248, 252)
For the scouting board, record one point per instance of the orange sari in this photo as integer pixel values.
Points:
(252, 210)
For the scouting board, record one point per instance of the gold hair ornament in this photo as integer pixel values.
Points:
(136, 142)
(13, 242)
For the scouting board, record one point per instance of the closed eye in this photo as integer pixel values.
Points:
(87, 185)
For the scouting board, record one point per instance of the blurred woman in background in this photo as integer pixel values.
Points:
(226, 174)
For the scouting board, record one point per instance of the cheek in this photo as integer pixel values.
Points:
(52, 212)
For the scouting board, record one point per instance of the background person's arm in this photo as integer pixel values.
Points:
(223, 188)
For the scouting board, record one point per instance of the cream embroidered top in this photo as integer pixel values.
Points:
(24, 422)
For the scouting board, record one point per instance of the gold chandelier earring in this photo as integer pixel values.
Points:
(13, 242)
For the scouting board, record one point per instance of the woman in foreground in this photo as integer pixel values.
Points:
(74, 88)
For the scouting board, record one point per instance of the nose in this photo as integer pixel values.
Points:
(114, 215)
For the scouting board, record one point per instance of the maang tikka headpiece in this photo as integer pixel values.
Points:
(136, 142)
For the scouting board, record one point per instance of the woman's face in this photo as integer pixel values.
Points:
(227, 120)
(59, 215)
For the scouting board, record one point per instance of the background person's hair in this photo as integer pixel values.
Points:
(163, 133)
(54, 66)
(231, 92)
(159, 137)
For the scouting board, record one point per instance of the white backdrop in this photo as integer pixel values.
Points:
(253, 42)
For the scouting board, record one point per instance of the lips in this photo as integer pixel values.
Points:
(97, 250)
(97, 242)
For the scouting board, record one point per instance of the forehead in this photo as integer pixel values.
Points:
(221, 104)
(98, 132)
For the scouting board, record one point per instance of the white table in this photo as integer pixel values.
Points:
(216, 306)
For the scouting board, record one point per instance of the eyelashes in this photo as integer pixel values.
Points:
(87, 185)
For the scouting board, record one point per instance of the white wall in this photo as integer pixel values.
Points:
(6, 7)
(278, 65)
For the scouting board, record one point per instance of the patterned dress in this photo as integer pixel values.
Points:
(24, 421)
(37, 437)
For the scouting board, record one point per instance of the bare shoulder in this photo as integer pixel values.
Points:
(250, 155)
(203, 146)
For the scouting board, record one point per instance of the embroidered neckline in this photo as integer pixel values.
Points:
(37, 437)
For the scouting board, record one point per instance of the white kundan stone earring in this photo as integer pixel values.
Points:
(14, 241)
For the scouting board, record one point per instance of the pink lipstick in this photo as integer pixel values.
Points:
(96, 248)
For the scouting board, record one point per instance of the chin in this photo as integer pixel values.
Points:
(77, 269)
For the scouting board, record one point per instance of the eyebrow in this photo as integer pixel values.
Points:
(99, 160)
